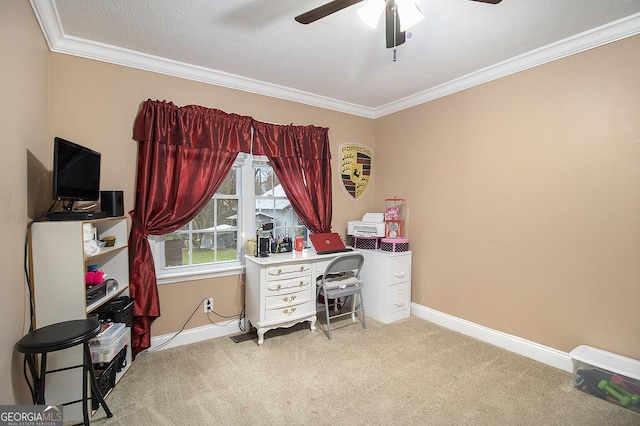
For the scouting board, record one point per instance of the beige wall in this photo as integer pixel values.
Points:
(23, 137)
(522, 193)
(95, 104)
(524, 200)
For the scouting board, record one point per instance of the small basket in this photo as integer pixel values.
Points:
(119, 309)
(366, 243)
(394, 244)
(106, 374)
(109, 241)
(106, 380)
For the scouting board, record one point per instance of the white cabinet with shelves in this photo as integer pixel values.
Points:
(386, 288)
(58, 267)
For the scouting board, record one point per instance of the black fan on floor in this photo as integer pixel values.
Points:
(394, 35)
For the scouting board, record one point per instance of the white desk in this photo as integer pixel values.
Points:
(281, 289)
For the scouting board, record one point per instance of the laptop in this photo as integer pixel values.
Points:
(328, 243)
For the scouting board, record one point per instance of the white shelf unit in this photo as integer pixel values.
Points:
(58, 266)
(386, 288)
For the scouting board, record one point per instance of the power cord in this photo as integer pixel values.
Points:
(240, 320)
(160, 346)
(27, 263)
(242, 313)
(240, 317)
(180, 331)
(27, 275)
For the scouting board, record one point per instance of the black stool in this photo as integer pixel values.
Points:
(56, 337)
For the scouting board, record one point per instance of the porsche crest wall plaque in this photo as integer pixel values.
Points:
(355, 168)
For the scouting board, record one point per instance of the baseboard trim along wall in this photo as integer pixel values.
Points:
(194, 335)
(544, 354)
(540, 353)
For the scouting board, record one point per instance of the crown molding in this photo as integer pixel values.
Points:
(58, 42)
(599, 36)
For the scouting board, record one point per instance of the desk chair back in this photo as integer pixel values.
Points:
(341, 280)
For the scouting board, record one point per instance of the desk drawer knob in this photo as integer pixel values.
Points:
(288, 300)
(289, 311)
(279, 271)
(399, 275)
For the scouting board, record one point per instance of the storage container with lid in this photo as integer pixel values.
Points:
(107, 344)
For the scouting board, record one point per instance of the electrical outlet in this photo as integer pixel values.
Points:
(208, 305)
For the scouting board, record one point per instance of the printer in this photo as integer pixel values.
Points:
(371, 225)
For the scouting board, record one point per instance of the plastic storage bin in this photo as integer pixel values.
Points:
(107, 344)
(608, 376)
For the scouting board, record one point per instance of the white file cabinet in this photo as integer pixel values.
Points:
(386, 288)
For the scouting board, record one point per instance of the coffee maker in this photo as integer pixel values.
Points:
(264, 235)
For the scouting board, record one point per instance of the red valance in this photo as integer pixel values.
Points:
(277, 140)
(192, 126)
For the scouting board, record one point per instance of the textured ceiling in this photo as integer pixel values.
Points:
(336, 62)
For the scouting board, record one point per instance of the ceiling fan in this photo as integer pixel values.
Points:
(395, 36)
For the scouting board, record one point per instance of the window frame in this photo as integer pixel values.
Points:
(175, 274)
(246, 229)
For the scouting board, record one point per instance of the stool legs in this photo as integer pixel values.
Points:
(40, 385)
(85, 370)
(95, 390)
(58, 337)
(37, 392)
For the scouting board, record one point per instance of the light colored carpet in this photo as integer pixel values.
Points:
(411, 372)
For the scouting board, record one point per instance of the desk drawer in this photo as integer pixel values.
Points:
(289, 312)
(399, 297)
(285, 300)
(284, 271)
(321, 266)
(288, 286)
(399, 269)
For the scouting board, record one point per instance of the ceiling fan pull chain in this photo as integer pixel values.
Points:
(395, 29)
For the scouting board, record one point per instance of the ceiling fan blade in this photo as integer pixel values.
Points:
(489, 1)
(395, 37)
(325, 10)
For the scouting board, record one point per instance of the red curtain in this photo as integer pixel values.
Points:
(184, 154)
(301, 159)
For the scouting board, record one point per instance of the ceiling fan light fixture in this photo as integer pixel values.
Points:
(371, 12)
(409, 14)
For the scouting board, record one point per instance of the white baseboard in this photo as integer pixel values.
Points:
(540, 353)
(193, 335)
(544, 354)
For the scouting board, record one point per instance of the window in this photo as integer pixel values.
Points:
(272, 205)
(212, 243)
